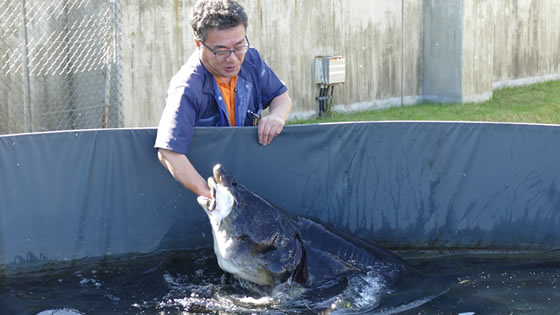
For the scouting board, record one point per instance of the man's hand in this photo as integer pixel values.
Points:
(272, 124)
(269, 127)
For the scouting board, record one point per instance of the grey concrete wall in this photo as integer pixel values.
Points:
(436, 50)
(509, 43)
(477, 53)
(367, 33)
(474, 46)
(443, 45)
(157, 40)
(526, 41)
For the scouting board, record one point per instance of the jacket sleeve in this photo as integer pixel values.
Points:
(176, 126)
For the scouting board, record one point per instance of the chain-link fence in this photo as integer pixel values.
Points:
(59, 65)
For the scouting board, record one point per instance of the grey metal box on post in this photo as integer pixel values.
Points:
(328, 72)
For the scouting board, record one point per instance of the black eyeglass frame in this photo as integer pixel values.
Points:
(239, 51)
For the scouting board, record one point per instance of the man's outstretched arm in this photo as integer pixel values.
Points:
(184, 172)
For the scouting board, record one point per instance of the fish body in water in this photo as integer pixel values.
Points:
(266, 245)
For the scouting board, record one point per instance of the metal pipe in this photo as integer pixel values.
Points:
(331, 98)
(27, 117)
(320, 99)
(116, 77)
(321, 95)
(107, 96)
(402, 53)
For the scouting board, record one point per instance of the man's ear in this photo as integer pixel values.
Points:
(197, 43)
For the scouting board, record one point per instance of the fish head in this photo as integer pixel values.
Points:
(252, 238)
(221, 204)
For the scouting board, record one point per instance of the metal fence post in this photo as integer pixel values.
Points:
(27, 118)
(116, 81)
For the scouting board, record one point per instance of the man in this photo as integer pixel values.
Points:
(224, 83)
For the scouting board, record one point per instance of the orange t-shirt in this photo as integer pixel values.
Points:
(228, 93)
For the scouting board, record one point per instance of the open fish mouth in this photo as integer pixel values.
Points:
(219, 179)
(206, 203)
(211, 202)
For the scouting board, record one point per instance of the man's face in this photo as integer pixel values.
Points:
(229, 39)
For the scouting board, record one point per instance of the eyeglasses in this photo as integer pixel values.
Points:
(222, 54)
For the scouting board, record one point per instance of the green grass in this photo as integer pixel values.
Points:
(539, 103)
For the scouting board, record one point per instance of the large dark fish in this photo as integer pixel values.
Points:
(263, 244)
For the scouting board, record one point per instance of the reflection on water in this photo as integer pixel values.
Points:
(191, 281)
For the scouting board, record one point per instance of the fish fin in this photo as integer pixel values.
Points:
(301, 275)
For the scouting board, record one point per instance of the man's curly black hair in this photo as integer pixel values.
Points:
(216, 14)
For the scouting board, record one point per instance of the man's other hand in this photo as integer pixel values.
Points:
(272, 124)
(269, 127)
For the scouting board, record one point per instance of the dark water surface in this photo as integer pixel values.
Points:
(191, 282)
